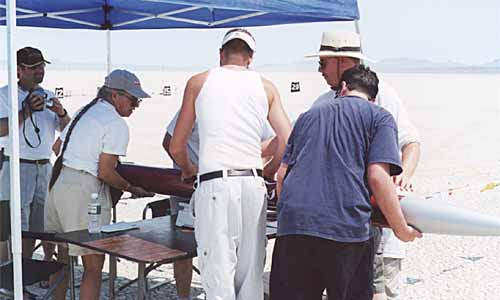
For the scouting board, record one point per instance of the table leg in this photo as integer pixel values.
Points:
(114, 214)
(141, 288)
(112, 276)
(72, 277)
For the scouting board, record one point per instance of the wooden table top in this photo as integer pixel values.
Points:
(136, 249)
(156, 240)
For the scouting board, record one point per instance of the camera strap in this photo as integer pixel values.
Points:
(33, 122)
(1, 158)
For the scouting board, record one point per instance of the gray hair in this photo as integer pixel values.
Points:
(104, 93)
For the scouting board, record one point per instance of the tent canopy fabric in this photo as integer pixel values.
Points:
(158, 14)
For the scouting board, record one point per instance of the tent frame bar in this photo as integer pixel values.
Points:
(242, 17)
(149, 16)
(55, 15)
(59, 15)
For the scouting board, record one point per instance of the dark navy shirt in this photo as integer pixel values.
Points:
(325, 193)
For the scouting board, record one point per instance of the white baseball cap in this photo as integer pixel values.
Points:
(242, 34)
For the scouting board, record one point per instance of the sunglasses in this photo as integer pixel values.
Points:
(133, 100)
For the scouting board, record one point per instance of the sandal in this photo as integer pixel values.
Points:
(27, 295)
(45, 284)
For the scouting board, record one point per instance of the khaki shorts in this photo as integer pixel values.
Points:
(387, 276)
(67, 204)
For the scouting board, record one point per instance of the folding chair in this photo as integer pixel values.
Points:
(34, 271)
(159, 208)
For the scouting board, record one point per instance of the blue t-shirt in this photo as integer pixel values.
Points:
(325, 193)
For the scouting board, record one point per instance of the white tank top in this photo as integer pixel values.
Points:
(231, 113)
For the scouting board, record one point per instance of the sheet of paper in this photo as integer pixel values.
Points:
(120, 226)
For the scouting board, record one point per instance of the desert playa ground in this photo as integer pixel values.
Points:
(458, 117)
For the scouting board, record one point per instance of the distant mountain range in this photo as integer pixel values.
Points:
(397, 65)
(420, 65)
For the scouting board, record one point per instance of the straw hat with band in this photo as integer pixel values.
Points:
(336, 43)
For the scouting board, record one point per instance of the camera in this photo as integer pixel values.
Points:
(49, 103)
(41, 92)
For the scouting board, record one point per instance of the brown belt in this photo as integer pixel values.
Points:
(30, 161)
(35, 162)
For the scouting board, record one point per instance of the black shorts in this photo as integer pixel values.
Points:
(304, 266)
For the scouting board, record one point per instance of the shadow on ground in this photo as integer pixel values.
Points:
(166, 290)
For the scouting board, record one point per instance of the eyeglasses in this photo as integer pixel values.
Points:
(133, 100)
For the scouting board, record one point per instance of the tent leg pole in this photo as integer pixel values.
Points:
(15, 190)
(358, 31)
(108, 51)
(356, 25)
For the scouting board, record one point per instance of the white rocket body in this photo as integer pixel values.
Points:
(431, 216)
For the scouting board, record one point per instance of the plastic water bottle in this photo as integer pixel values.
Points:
(94, 214)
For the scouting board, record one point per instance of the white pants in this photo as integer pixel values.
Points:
(230, 229)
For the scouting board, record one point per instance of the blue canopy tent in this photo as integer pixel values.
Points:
(108, 15)
(157, 14)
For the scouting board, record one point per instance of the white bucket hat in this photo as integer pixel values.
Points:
(337, 43)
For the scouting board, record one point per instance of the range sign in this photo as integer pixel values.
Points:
(295, 87)
(167, 90)
(60, 93)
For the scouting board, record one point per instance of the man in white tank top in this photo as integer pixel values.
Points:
(230, 105)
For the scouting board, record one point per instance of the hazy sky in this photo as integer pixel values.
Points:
(438, 30)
